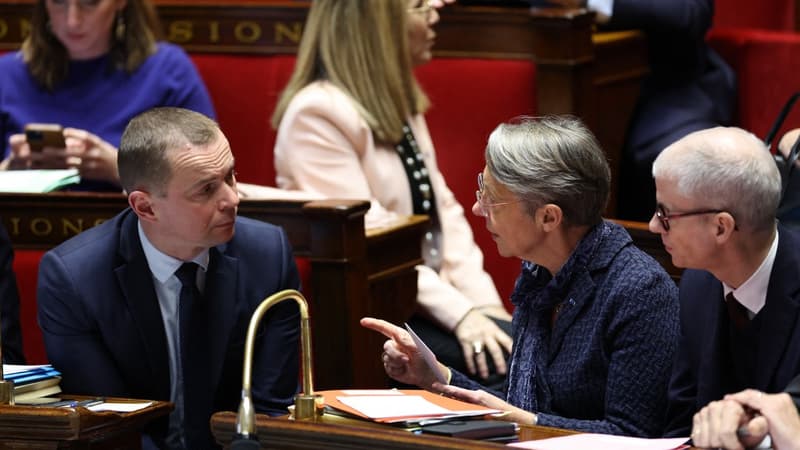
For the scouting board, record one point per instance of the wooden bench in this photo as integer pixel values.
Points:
(491, 64)
(347, 273)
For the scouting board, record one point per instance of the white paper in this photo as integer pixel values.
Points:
(594, 441)
(120, 407)
(8, 369)
(427, 356)
(382, 406)
(34, 181)
(372, 392)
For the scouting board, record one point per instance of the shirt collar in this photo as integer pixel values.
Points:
(162, 265)
(753, 292)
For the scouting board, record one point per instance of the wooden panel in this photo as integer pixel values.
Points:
(353, 273)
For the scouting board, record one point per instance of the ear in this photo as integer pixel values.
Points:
(141, 203)
(725, 225)
(550, 216)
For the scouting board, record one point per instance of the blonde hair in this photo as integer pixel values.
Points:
(361, 46)
(47, 58)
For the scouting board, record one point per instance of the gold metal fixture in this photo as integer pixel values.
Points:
(307, 405)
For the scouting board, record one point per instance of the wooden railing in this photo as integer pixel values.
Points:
(352, 273)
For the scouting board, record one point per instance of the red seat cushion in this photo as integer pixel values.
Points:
(470, 97)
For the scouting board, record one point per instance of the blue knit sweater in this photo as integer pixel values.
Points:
(100, 100)
(604, 365)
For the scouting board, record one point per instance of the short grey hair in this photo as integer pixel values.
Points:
(143, 157)
(552, 159)
(729, 169)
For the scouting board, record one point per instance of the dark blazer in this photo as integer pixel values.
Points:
(793, 389)
(103, 328)
(699, 369)
(689, 88)
(9, 304)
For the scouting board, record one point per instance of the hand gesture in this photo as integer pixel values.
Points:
(401, 358)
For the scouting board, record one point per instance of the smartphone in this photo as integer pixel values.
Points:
(41, 135)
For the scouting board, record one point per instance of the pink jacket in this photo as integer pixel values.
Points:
(325, 147)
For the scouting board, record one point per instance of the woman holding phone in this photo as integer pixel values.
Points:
(89, 66)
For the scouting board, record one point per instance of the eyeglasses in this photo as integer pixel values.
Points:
(485, 207)
(423, 10)
(664, 218)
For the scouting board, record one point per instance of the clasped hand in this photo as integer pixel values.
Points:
(94, 158)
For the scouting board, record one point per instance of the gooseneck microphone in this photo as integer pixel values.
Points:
(307, 405)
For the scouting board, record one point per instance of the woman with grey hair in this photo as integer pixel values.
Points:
(596, 319)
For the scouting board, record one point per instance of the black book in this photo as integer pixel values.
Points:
(472, 429)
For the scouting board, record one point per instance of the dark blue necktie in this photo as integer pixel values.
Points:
(194, 345)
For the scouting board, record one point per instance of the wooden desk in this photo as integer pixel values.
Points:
(338, 432)
(33, 428)
(353, 273)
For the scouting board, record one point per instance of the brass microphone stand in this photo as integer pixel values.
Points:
(307, 405)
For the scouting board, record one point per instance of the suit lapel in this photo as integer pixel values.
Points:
(713, 364)
(221, 293)
(779, 316)
(136, 284)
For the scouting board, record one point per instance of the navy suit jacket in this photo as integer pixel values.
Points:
(103, 328)
(9, 304)
(699, 366)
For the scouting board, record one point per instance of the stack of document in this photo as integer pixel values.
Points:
(32, 382)
(37, 181)
(404, 407)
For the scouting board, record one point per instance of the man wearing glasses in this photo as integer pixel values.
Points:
(717, 193)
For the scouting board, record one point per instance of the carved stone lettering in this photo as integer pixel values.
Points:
(180, 31)
(291, 32)
(247, 32)
(14, 229)
(24, 28)
(41, 226)
(70, 228)
(213, 31)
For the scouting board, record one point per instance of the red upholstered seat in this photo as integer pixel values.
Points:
(470, 97)
(761, 45)
(245, 89)
(772, 15)
(26, 269)
(766, 64)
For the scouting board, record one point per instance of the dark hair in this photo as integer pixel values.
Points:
(143, 157)
(47, 58)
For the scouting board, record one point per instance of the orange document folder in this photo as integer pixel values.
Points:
(400, 406)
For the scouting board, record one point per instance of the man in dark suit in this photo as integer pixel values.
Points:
(689, 87)
(9, 304)
(717, 192)
(155, 302)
